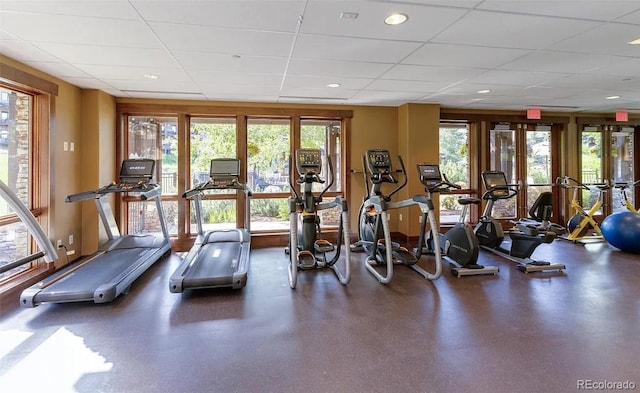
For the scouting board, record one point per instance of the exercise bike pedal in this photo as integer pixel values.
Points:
(405, 256)
(323, 246)
(306, 260)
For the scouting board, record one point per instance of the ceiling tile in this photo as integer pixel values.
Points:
(61, 70)
(226, 62)
(311, 46)
(117, 9)
(515, 78)
(513, 31)
(603, 10)
(323, 17)
(339, 68)
(80, 30)
(321, 82)
(406, 86)
(570, 63)
(108, 55)
(223, 40)
(246, 14)
(607, 39)
(431, 73)
(25, 51)
(463, 56)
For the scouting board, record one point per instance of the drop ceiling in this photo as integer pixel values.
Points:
(554, 55)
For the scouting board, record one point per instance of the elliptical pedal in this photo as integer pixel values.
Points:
(322, 245)
(306, 260)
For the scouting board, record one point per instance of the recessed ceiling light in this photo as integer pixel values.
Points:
(612, 98)
(634, 42)
(396, 19)
(333, 85)
(151, 76)
(485, 91)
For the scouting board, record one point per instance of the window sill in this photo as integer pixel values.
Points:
(10, 291)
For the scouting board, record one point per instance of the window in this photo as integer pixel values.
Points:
(454, 164)
(16, 172)
(268, 171)
(212, 138)
(154, 138)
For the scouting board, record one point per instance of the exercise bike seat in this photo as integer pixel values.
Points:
(468, 201)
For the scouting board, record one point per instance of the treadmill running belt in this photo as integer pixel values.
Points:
(215, 264)
(82, 283)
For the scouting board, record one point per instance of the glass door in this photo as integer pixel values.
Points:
(524, 153)
(622, 158)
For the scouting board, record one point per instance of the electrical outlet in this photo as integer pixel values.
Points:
(59, 243)
(70, 239)
(71, 252)
(400, 217)
(419, 219)
(65, 146)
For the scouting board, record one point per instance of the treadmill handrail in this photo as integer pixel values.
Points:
(209, 185)
(147, 190)
(29, 221)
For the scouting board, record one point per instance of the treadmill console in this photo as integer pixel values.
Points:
(224, 170)
(379, 161)
(429, 174)
(497, 180)
(308, 160)
(137, 171)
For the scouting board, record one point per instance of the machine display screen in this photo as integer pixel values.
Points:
(141, 169)
(308, 160)
(379, 160)
(429, 172)
(496, 179)
(228, 167)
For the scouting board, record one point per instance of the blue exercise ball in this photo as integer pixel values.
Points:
(622, 230)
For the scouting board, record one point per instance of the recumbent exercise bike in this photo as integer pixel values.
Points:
(459, 244)
(523, 241)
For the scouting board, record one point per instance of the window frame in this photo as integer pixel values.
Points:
(43, 95)
(184, 112)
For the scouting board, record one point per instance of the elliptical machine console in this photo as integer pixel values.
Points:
(310, 250)
(459, 244)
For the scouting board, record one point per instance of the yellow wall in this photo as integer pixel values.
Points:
(98, 155)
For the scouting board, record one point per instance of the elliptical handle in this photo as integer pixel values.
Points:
(331, 174)
(404, 174)
(291, 171)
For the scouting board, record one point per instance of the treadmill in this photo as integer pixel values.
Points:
(219, 258)
(109, 272)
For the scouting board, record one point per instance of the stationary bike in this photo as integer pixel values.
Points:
(582, 227)
(310, 250)
(524, 240)
(373, 231)
(459, 244)
(626, 202)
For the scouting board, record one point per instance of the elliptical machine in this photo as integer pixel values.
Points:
(373, 230)
(524, 240)
(311, 251)
(459, 244)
